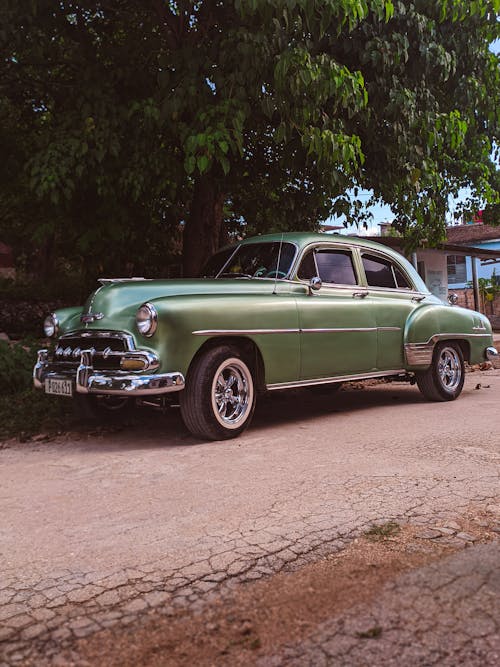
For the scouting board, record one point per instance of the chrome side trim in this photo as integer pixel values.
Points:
(455, 336)
(340, 330)
(239, 332)
(332, 380)
(256, 332)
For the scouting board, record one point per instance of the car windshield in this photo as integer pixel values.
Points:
(252, 260)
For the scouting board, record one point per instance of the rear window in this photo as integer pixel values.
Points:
(382, 273)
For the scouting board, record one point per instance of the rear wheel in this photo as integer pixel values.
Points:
(444, 379)
(219, 399)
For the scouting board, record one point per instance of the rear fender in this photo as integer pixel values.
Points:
(430, 324)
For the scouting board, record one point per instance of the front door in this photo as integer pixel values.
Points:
(338, 327)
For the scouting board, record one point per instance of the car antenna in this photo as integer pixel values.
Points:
(278, 264)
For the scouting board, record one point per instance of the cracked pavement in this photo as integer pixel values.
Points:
(446, 614)
(101, 530)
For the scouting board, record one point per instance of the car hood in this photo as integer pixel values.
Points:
(115, 303)
(117, 295)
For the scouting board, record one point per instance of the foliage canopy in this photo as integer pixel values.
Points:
(123, 122)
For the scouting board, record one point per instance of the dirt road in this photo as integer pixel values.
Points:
(99, 530)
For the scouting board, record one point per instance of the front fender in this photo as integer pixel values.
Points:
(187, 322)
(69, 318)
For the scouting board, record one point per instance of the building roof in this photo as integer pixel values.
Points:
(449, 248)
(472, 234)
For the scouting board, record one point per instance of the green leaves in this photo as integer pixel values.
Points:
(221, 139)
(108, 120)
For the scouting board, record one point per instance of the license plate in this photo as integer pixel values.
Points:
(59, 387)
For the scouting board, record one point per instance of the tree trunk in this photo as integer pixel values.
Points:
(203, 229)
(44, 264)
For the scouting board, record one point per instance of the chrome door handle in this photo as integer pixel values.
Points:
(359, 295)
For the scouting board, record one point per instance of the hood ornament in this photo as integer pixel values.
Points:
(91, 317)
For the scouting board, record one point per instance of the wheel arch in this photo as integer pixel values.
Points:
(247, 347)
(463, 343)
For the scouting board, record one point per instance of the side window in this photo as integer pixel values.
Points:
(382, 273)
(401, 279)
(307, 268)
(336, 266)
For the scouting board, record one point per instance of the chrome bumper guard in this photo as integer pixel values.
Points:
(491, 353)
(116, 383)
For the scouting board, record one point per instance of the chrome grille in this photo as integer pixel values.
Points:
(107, 349)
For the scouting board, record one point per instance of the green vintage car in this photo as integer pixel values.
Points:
(271, 312)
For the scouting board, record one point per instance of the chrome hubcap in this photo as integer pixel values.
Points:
(449, 368)
(232, 393)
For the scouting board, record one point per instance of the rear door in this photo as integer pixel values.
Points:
(394, 297)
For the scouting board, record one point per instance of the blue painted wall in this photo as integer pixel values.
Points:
(482, 271)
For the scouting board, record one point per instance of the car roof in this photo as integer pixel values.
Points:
(303, 239)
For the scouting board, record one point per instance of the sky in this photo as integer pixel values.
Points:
(383, 212)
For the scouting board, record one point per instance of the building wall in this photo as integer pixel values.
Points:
(436, 272)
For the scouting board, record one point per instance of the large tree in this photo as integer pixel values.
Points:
(137, 118)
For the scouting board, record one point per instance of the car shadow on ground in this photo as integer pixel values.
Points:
(152, 429)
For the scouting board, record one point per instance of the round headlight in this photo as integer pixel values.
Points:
(51, 325)
(147, 319)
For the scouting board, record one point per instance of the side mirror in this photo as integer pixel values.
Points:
(452, 299)
(315, 284)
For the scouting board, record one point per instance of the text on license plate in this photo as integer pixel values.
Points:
(59, 387)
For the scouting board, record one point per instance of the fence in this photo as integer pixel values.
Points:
(490, 308)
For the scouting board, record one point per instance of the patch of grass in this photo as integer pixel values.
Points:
(382, 532)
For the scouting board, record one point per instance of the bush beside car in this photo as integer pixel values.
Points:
(24, 412)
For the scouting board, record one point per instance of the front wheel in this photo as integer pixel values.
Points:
(219, 399)
(444, 379)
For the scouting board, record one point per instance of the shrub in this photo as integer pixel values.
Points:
(23, 410)
(16, 365)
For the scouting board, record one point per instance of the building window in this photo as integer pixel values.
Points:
(457, 269)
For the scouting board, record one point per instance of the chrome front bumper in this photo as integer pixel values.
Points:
(117, 383)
